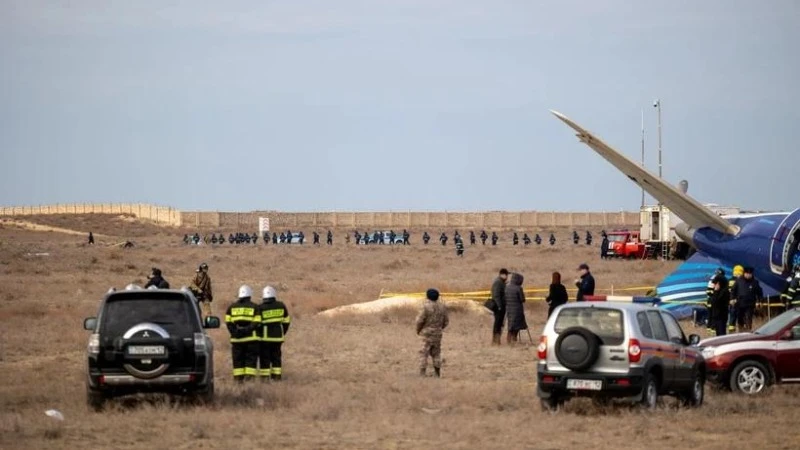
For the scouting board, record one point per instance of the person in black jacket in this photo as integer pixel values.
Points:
(744, 295)
(557, 295)
(585, 283)
(720, 298)
(604, 248)
(515, 308)
(499, 311)
(155, 279)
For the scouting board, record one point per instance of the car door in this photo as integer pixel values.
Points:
(663, 348)
(683, 365)
(788, 350)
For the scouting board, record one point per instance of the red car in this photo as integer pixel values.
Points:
(750, 362)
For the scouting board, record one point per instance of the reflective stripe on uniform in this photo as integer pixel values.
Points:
(238, 372)
(264, 372)
(274, 339)
(250, 371)
(276, 371)
(252, 338)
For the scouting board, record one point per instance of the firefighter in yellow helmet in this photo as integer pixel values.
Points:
(738, 271)
(275, 323)
(243, 322)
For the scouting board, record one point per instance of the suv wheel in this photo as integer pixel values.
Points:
(95, 400)
(749, 377)
(577, 348)
(649, 392)
(695, 396)
(551, 404)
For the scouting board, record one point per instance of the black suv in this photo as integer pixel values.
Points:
(149, 340)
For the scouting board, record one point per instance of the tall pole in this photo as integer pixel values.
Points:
(642, 153)
(658, 106)
(662, 238)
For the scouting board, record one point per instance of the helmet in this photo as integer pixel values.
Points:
(110, 290)
(245, 291)
(269, 292)
(132, 287)
(719, 271)
(203, 266)
(153, 287)
(738, 271)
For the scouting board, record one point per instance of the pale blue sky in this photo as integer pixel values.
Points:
(394, 105)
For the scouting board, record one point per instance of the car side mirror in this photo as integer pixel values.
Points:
(90, 323)
(694, 339)
(211, 322)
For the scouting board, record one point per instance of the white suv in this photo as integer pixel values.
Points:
(617, 350)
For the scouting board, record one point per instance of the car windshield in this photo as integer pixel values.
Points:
(616, 238)
(777, 324)
(605, 323)
(173, 314)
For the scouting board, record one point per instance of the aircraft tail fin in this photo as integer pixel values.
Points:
(688, 209)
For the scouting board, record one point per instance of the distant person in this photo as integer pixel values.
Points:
(315, 235)
(231, 239)
(91, 238)
(575, 237)
(213, 238)
(557, 295)
(471, 237)
(588, 238)
(720, 298)
(552, 239)
(329, 239)
(274, 238)
(537, 239)
(156, 279)
(603, 233)
(201, 288)
(526, 239)
(431, 321)
(254, 238)
(301, 236)
(499, 310)
(357, 237)
(406, 237)
(484, 237)
(738, 271)
(443, 239)
(494, 238)
(515, 239)
(710, 300)
(515, 311)
(426, 238)
(744, 296)
(459, 247)
(347, 239)
(604, 244)
(585, 283)
(185, 239)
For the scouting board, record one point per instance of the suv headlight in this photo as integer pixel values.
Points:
(709, 352)
(200, 342)
(94, 344)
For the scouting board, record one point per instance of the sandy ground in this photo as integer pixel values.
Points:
(350, 379)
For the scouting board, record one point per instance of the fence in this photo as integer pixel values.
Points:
(159, 214)
(395, 220)
(350, 220)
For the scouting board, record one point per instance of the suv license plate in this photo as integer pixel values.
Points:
(146, 350)
(589, 385)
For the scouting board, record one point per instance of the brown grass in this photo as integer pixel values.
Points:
(351, 380)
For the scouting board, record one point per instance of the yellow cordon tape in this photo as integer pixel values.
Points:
(485, 295)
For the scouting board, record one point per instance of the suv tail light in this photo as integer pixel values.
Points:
(200, 342)
(541, 350)
(94, 344)
(634, 351)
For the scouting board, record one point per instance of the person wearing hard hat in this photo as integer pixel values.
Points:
(201, 287)
(745, 294)
(243, 322)
(275, 321)
(738, 270)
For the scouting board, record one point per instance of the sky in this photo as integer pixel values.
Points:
(374, 105)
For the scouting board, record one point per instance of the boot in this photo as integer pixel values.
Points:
(496, 339)
(275, 377)
(422, 373)
(437, 371)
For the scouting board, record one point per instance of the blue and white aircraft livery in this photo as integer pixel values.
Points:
(768, 242)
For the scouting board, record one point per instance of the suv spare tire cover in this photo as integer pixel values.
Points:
(577, 348)
(146, 366)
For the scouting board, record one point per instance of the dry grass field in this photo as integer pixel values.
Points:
(350, 381)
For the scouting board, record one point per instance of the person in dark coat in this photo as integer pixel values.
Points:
(515, 239)
(499, 299)
(494, 238)
(557, 295)
(156, 279)
(720, 300)
(484, 236)
(538, 239)
(526, 239)
(575, 237)
(588, 238)
(585, 283)
(459, 247)
(552, 239)
(329, 238)
(604, 248)
(91, 238)
(426, 238)
(515, 302)
(471, 238)
(746, 292)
